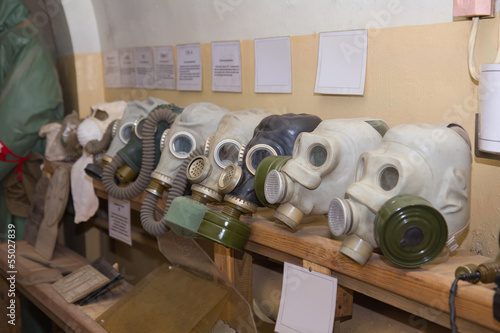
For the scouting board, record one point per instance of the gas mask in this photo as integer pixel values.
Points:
(132, 152)
(101, 115)
(410, 198)
(235, 129)
(323, 164)
(274, 136)
(92, 128)
(122, 132)
(191, 129)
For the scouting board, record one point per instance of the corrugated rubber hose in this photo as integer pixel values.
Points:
(179, 186)
(161, 113)
(95, 147)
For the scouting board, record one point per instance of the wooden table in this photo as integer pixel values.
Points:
(69, 317)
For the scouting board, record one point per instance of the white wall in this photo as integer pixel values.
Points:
(75, 26)
(132, 23)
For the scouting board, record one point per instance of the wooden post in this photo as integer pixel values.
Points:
(237, 267)
(344, 295)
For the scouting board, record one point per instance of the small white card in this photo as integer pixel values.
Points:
(164, 67)
(127, 68)
(189, 67)
(145, 76)
(307, 303)
(119, 219)
(226, 66)
(111, 64)
(273, 65)
(342, 63)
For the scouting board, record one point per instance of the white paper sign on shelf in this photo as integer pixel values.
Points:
(145, 76)
(127, 68)
(164, 67)
(342, 63)
(111, 64)
(273, 65)
(308, 301)
(189, 67)
(119, 219)
(226, 66)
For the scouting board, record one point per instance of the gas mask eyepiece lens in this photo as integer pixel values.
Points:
(317, 155)
(126, 132)
(256, 154)
(226, 152)
(388, 177)
(182, 144)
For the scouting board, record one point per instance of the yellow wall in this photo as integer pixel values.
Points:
(82, 81)
(414, 74)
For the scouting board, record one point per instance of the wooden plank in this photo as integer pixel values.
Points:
(344, 296)
(428, 285)
(418, 310)
(69, 317)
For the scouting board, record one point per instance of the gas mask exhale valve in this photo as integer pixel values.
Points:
(410, 198)
(323, 164)
(274, 136)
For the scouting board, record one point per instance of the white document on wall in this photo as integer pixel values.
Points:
(145, 76)
(164, 67)
(111, 62)
(342, 62)
(189, 67)
(273, 65)
(127, 68)
(226, 66)
(308, 301)
(119, 219)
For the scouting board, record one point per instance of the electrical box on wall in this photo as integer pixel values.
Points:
(471, 8)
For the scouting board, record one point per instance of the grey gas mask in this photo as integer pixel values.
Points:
(411, 196)
(190, 130)
(122, 131)
(323, 164)
(234, 131)
(274, 136)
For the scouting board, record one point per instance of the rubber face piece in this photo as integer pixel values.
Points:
(224, 229)
(94, 172)
(409, 231)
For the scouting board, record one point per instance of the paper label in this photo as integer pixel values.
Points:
(273, 65)
(164, 67)
(226, 66)
(111, 64)
(127, 68)
(308, 301)
(145, 77)
(119, 220)
(342, 63)
(189, 67)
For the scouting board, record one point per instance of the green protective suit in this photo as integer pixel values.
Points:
(30, 94)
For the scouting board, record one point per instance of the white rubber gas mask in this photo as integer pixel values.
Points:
(323, 164)
(123, 130)
(101, 115)
(190, 130)
(235, 129)
(410, 198)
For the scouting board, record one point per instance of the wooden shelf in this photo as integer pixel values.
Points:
(423, 292)
(69, 317)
